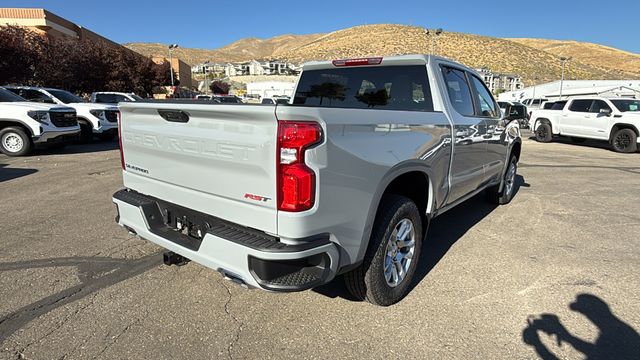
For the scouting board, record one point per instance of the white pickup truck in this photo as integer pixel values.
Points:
(343, 179)
(614, 120)
(95, 119)
(25, 125)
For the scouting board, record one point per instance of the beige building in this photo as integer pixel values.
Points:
(50, 24)
(181, 69)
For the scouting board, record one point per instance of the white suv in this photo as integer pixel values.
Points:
(25, 125)
(94, 119)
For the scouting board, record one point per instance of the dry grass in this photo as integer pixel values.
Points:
(530, 58)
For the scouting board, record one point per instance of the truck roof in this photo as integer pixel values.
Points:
(413, 59)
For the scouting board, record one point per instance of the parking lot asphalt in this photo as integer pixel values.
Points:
(554, 272)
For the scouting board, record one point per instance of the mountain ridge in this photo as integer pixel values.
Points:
(536, 60)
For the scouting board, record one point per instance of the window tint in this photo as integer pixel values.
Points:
(8, 96)
(599, 105)
(458, 90)
(580, 105)
(627, 105)
(485, 100)
(558, 105)
(386, 87)
(106, 98)
(35, 95)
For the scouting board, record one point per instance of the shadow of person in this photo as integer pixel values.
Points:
(616, 339)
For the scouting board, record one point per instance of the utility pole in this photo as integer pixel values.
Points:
(535, 81)
(171, 48)
(564, 60)
(205, 70)
(433, 33)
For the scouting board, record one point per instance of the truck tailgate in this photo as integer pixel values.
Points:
(216, 159)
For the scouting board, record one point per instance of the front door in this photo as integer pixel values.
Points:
(470, 131)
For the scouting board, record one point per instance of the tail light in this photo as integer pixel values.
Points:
(296, 181)
(358, 62)
(120, 139)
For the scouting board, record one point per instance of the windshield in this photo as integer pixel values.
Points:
(627, 105)
(65, 96)
(8, 96)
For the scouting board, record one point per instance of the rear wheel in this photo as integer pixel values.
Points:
(625, 141)
(543, 133)
(392, 256)
(14, 141)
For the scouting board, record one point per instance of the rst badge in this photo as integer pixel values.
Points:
(256, 197)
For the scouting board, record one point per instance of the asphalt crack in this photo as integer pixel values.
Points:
(235, 319)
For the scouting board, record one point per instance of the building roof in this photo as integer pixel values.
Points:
(590, 91)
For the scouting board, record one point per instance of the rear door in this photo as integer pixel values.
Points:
(573, 116)
(216, 159)
(470, 131)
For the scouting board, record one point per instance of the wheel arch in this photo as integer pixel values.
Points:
(4, 123)
(620, 126)
(395, 182)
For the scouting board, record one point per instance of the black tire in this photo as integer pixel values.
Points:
(508, 190)
(543, 133)
(107, 136)
(368, 282)
(625, 141)
(578, 140)
(14, 141)
(86, 133)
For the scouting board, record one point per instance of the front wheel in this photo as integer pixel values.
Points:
(543, 133)
(625, 141)
(392, 256)
(15, 142)
(508, 185)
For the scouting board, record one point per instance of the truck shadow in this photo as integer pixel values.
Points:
(616, 339)
(96, 146)
(443, 232)
(7, 174)
(94, 273)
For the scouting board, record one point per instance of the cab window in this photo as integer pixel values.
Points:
(486, 105)
(459, 91)
(580, 105)
(598, 105)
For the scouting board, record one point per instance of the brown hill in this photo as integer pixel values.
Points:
(241, 50)
(599, 55)
(499, 55)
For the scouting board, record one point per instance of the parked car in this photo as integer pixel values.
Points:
(344, 180)
(226, 99)
(275, 100)
(25, 125)
(203, 97)
(615, 120)
(111, 97)
(515, 111)
(94, 119)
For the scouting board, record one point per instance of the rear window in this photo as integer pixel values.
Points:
(387, 88)
(558, 105)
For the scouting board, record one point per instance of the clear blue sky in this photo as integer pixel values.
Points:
(212, 24)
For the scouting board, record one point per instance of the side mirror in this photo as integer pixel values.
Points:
(605, 112)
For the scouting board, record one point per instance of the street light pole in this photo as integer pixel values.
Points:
(564, 60)
(171, 47)
(534, 90)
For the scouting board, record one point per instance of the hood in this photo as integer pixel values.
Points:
(92, 106)
(27, 105)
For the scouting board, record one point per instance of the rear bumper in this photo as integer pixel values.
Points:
(243, 254)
